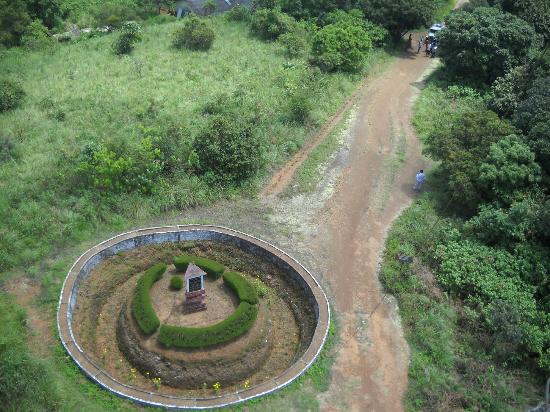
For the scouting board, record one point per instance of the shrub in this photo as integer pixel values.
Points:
(237, 324)
(36, 37)
(294, 42)
(8, 149)
(341, 46)
(195, 34)
(212, 268)
(176, 283)
(11, 95)
(299, 107)
(241, 286)
(239, 13)
(114, 15)
(269, 24)
(142, 309)
(131, 34)
(209, 7)
(229, 149)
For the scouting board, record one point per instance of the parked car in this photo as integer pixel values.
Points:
(435, 29)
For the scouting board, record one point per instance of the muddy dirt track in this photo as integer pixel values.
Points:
(374, 185)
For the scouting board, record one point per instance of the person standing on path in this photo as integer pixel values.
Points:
(420, 43)
(420, 177)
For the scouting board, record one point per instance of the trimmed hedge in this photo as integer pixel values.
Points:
(242, 287)
(237, 324)
(212, 269)
(142, 309)
(176, 283)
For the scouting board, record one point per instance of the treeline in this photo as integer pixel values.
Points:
(492, 142)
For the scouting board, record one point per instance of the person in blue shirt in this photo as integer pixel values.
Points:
(420, 176)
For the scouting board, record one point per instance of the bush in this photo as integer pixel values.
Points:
(142, 309)
(299, 107)
(239, 13)
(11, 94)
(113, 15)
(196, 34)
(229, 149)
(131, 34)
(341, 46)
(237, 324)
(36, 37)
(176, 283)
(8, 149)
(209, 7)
(295, 43)
(269, 24)
(212, 268)
(241, 286)
(483, 44)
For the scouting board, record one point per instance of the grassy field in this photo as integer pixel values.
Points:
(80, 94)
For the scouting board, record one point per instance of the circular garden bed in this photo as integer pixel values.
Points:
(123, 317)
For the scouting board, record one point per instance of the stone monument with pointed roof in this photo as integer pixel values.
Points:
(194, 288)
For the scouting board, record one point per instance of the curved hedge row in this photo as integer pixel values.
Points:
(242, 287)
(212, 268)
(142, 309)
(237, 324)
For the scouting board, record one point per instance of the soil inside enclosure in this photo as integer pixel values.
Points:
(105, 329)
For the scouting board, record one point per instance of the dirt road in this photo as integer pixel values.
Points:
(374, 187)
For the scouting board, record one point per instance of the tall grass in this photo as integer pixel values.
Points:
(108, 99)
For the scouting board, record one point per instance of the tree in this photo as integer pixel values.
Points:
(158, 4)
(507, 91)
(399, 16)
(48, 11)
(304, 9)
(269, 24)
(533, 118)
(461, 147)
(483, 44)
(343, 44)
(508, 170)
(196, 34)
(13, 21)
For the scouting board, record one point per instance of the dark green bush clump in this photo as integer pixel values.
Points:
(242, 287)
(239, 13)
(11, 95)
(269, 24)
(131, 34)
(196, 34)
(212, 269)
(142, 309)
(176, 283)
(229, 149)
(237, 324)
(36, 37)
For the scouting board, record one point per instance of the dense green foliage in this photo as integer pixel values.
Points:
(241, 286)
(269, 24)
(212, 268)
(36, 37)
(464, 354)
(342, 44)
(142, 308)
(25, 383)
(130, 34)
(483, 44)
(195, 34)
(176, 282)
(14, 20)
(237, 324)
(399, 16)
(11, 94)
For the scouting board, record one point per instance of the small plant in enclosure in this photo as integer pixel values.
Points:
(132, 375)
(131, 34)
(157, 382)
(195, 34)
(261, 289)
(217, 387)
(246, 384)
(11, 94)
(176, 283)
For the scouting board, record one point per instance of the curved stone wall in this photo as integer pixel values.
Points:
(85, 263)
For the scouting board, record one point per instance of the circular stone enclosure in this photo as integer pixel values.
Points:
(172, 234)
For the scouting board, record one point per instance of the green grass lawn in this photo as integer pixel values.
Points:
(81, 93)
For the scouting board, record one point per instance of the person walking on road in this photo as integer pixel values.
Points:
(420, 43)
(420, 176)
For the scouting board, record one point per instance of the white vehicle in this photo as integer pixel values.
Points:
(435, 29)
